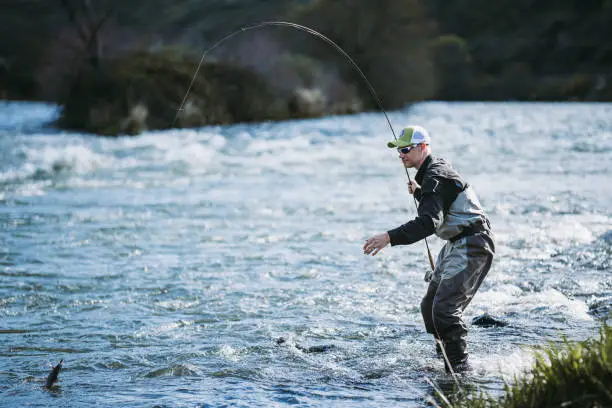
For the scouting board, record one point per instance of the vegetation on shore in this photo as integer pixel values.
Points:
(107, 62)
(571, 374)
(144, 90)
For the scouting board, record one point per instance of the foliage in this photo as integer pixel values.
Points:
(533, 50)
(307, 70)
(49, 42)
(387, 39)
(452, 62)
(558, 37)
(409, 50)
(101, 99)
(567, 375)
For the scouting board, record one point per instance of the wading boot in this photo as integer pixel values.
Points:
(456, 352)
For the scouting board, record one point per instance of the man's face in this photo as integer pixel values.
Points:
(410, 155)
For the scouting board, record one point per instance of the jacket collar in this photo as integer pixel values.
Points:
(421, 173)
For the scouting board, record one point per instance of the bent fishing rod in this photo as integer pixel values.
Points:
(328, 41)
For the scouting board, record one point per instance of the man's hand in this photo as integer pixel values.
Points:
(413, 186)
(376, 243)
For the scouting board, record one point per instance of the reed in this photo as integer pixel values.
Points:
(569, 374)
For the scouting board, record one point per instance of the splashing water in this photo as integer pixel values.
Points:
(163, 268)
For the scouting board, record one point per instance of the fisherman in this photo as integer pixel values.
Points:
(448, 207)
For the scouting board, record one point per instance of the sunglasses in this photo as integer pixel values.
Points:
(406, 150)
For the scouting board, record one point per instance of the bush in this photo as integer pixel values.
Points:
(452, 62)
(387, 39)
(306, 70)
(568, 375)
(515, 82)
(570, 87)
(103, 100)
(16, 82)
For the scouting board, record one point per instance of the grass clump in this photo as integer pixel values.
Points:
(577, 374)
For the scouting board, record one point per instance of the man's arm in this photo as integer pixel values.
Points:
(430, 216)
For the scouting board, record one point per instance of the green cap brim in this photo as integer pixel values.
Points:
(397, 144)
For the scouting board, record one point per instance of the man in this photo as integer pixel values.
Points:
(448, 207)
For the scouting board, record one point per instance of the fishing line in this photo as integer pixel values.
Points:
(327, 40)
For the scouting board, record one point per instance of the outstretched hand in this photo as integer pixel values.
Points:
(374, 244)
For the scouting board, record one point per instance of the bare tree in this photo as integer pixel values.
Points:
(87, 23)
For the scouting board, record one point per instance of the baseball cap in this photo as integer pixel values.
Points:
(411, 135)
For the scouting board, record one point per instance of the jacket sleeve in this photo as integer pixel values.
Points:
(430, 216)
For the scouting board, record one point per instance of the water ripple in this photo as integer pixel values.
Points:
(164, 268)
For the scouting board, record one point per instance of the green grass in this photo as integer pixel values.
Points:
(570, 374)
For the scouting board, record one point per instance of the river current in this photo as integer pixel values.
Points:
(164, 268)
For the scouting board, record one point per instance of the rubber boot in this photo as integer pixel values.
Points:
(456, 352)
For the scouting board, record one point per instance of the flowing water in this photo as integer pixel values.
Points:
(163, 268)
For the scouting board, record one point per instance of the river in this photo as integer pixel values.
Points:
(163, 268)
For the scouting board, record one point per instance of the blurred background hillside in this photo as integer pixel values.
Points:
(121, 67)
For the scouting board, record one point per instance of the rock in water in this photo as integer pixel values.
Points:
(308, 349)
(53, 375)
(315, 349)
(486, 320)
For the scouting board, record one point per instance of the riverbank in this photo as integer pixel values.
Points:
(410, 50)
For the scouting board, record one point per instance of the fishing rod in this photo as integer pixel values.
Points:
(327, 40)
